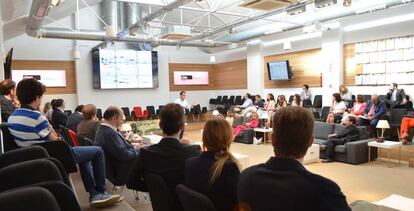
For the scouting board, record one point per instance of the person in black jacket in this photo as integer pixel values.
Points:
(396, 98)
(215, 171)
(282, 183)
(75, 118)
(111, 141)
(7, 98)
(58, 116)
(350, 133)
(167, 158)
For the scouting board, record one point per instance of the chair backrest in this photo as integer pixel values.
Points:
(396, 116)
(99, 113)
(231, 100)
(219, 98)
(64, 132)
(192, 200)
(151, 110)
(33, 198)
(317, 101)
(145, 113)
(224, 99)
(238, 100)
(8, 141)
(367, 98)
(161, 198)
(325, 112)
(382, 97)
(126, 111)
(137, 111)
(68, 112)
(117, 171)
(290, 99)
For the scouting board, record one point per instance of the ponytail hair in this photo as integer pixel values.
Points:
(217, 137)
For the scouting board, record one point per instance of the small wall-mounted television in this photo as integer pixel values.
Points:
(279, 70)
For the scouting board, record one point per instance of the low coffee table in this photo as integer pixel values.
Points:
(385, 145)
(264, 131)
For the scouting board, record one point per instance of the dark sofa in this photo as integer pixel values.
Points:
(247, 135)
(355, 152)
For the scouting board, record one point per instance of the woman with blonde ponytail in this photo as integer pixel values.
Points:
(215, 171)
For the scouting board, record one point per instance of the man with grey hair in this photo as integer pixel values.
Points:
(374, 111)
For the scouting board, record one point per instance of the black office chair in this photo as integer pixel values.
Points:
(324, 113)
(196, 111)
(317, 101)
(231, 100)
(31, 198)
(396, 115)
(56, 149)
(160, 194)
(290, 99)
(367, 98)
(238, 100)
(192, 200)
(151, 112)
(99, 113)
(127, 113)
(68, 112)
(218, 100)
(224, 100)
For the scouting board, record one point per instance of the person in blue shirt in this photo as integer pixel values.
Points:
(258, 102)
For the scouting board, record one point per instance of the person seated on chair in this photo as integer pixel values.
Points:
(8, 99)
(406, 124)
(111, 141)
(254, 123)
(281, 102)
(58, 116)
(28, 126)
(75, 118)
(345, 93)
(183, 102)
(89, 125)
(306, 96)
(167, 158)
(247, 102)
(337, 109)
(350, 133)
(258, 101)
(215, 171)
(396, 97)
(372, 114)
(357, 109)
(48, 110)
(283, 183)
(297, 101)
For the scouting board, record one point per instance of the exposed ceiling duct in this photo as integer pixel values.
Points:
(40, 9)
(141, 23)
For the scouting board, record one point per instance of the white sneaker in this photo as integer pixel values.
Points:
(257, 141)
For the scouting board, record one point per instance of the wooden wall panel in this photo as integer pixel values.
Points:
(191, 67)
(68, 66)
(230, 75)
(349, 68)
(305, 66)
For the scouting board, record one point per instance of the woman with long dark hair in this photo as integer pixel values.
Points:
(337, 109)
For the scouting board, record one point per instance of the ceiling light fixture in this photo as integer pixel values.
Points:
(324, 3)
(212, 59)
(293, 39)
(253, 42)
(287, 45)
(56, 2)
(274, 31)
(380, 22)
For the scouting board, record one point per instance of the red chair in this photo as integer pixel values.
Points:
(145, 114)
(138, 112)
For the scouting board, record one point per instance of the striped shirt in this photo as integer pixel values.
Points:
(28, 127)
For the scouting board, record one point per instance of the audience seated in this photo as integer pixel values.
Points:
(258, 102)
(48, 110)
(281, 102)
(89, 125)
(297, 101)
(7, 98)
(247, 102)
(111, 140)
(396, 97)
(372, 114)
(282, 183)
(306, 96)
(345, 93)
(356, 110)
(349, 134)
(58, 116)
(75, 118)
(28, 126)
(337, 109)
(167, 158)
(215, 172)
(270, 103)
(254, 123)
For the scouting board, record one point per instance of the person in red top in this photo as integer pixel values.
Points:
(254, 123)
(356, 110)
(406, 124)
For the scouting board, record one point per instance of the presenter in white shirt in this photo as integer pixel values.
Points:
(183, 102)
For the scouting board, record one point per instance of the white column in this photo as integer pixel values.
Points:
(255, 76)
(332, 66)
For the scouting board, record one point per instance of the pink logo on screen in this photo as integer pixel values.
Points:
(190, 78)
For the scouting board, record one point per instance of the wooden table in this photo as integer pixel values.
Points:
(385, 145)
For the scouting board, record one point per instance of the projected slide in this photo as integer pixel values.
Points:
(49, 78)
(190, 78)
(125, 69)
